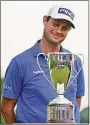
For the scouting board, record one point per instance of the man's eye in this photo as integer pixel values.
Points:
(65, 28)
(55, 24)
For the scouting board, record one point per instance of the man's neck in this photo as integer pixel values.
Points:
(47, 47)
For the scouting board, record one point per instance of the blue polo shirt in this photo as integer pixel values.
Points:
(26, 83)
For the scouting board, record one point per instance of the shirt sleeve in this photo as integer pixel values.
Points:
(80, 80)
(12, 81)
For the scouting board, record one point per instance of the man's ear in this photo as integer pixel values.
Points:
(44, 20)
(70, 28)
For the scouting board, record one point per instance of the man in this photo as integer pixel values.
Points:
(26, 86)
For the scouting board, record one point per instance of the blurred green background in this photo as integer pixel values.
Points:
(84, 114)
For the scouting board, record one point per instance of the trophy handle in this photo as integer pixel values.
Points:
(74, 77)
(82, 62)
(82, 58)
(41, 68)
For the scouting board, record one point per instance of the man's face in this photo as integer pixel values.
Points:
(55, 31)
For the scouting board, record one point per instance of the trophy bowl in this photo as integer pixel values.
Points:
(60, 109)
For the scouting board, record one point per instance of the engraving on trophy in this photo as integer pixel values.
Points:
(60, 113)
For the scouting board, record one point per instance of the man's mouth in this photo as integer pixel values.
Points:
(56, 36)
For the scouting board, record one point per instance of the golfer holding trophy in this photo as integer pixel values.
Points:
(46, 81)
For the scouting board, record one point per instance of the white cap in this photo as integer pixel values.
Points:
(58, 12)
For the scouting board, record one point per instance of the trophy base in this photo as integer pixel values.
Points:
(60, 110)
(60, 121)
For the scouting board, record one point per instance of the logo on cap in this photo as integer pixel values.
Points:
(66, 12)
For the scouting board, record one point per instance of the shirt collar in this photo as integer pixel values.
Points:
(37, 50)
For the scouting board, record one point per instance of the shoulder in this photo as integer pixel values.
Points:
(65, 50)
(24, 56)
(20, 61)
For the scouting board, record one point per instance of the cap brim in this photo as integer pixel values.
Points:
(72, 25)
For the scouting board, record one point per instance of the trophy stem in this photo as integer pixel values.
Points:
(60, 89)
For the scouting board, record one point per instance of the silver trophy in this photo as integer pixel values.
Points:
(60, 109)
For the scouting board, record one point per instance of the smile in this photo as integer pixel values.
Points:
(55, 36)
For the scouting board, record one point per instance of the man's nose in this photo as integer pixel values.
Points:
(59, 29)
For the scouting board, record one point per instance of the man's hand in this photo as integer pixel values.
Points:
(78, 99)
